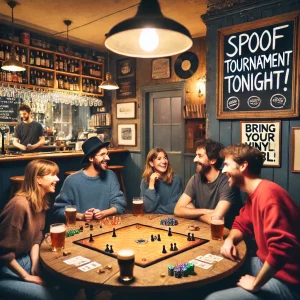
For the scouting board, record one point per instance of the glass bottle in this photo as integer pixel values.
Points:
(31, 58)
(37, 59)
(43, 62)
(23, 56)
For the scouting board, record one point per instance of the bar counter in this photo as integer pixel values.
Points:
(69, 160)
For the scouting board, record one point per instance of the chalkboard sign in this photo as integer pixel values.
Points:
(258, 69)
(9, 110)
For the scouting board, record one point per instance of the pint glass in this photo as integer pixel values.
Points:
(70, 213)
(57, 234)
(138, 206)
(126, 264)
(217, 227)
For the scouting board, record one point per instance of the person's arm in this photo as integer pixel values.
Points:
(183, 208)
(40, 143)
(150, 196)
(34, 255)
(229, 247)
(17, 144)
(221, 209)
(100, 214)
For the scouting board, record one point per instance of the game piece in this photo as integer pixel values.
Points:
(91, 238)
(164, 249)
(86, 225)
(114, 233)
(171, 249)
(169, 232)
(66, 253)
(100, 270)
(100, 225)
(107, 248)
(193, 237)
(158, 237)
(91, 227)
(81, 228)
(189, 237)
(152, 238)
(163, 275)
(175, 247)
(111, 249)
(108, 267)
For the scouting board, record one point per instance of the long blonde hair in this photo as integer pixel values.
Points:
(168, 175)
(30, 189)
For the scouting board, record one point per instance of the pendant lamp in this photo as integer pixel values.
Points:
(12, 64)
(148, 34)
(108, 84)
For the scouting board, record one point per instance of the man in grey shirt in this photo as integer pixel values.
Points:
(208, 192)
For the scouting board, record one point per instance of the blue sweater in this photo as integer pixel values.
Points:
(89, 192)
(163, 198)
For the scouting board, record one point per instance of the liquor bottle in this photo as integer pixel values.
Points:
(71, 84)
(32, 78)
(43, 79)
(66, 83)
(91, 71)
(37, 59)
(56, 63)
(14, 77)
(72, 66)
(60, 82)
(60, 64)
(69, 66)
(31, 58)
(43, 61)
(87, 86)
(38, 79)
(24, 77)
(20, 77)
(84, 69)
(83, 85)
(1, 51)
(7, 52)
(23, 56)
(76, 85)
(51, 66)
(17, 53)
(76, 70)
(91, 87)
(8, 76)
(51, 80)
(65, 65)
(99, 90)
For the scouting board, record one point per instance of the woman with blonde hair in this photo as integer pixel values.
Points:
(21, 224)
(160, 186)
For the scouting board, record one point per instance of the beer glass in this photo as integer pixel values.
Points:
(126, 264)
(70, 213)
(57, 235)
(217, 227)
(138, 206)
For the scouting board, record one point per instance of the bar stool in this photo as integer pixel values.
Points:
(15, 184)
(116, 169)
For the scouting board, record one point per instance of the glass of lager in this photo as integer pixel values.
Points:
(57, 235)
(138, 206)
(217, 227)
(126, 264)
(70, 213)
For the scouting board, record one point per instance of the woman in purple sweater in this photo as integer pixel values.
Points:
(21, 224)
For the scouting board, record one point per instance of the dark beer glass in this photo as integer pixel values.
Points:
(126, 264)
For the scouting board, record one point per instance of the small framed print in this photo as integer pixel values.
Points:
(295, 149)
(127, 134)
(126, 110)
(126, 67)
(161, 68)
(266, 137)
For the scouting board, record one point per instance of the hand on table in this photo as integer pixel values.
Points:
(98, 214)
(30, 147)
(229, 250)
(88, 215)
(247, 283)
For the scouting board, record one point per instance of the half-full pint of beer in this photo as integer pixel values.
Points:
(58, 234)
(126, 264)
(70, 213)
(138, 206)
(217, 227)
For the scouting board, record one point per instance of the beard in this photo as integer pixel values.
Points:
(204, 168)
(100, 169)
(236, 179)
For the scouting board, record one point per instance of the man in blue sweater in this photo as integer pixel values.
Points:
(94, 190)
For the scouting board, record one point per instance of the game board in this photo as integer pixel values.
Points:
(138, 238)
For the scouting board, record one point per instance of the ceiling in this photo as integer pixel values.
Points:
(47, 16)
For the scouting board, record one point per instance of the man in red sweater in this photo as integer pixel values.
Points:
(273, 218)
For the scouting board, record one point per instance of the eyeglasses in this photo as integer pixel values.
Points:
(103, 154)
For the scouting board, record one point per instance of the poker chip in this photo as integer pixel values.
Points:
(171, 270)
(168, 222)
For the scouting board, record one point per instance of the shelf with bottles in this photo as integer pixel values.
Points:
(21, 51)
(70, 83)
(67, 64)
(91, 69)
(41, 59)
(38, 77)
(13, 77)
(91, 86)
(100, 120)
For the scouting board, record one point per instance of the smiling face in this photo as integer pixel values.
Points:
(24, 115)
(160, 163)
(233, 171)
(203, 163)
(48, 182)
(100, 160)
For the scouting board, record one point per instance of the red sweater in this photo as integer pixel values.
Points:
(273, 218)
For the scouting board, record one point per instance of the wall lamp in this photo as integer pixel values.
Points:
(201, 86)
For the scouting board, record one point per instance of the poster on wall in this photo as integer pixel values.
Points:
(266, 137)
(258, 69)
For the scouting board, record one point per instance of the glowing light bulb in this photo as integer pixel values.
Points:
(149, 39)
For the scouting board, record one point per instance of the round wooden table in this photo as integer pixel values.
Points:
(147, 279)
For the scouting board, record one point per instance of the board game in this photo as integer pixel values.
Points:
(150, 244)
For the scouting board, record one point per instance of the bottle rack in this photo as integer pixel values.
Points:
(45, 68)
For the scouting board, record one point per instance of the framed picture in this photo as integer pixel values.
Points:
(250, 84)
(266, 137)
(161, 68)
(126, 67)
(126, 110)
(127, 134)
(295, 149)
(127, 88)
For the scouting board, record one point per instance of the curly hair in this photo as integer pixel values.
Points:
(212, 149)
(243, 152)
(25, 107)
(168, 175)
(30, 188)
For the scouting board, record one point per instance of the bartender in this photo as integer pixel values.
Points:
(29, 134)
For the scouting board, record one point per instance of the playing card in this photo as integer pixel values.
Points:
(77, 261)
(201, 264)
(205, 259)
(92, 265)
